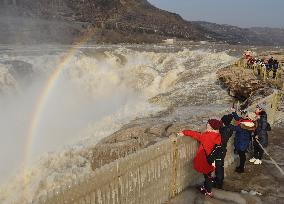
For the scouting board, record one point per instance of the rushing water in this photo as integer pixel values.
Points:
(100, 89)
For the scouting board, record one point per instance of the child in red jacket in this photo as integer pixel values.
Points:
(207, 140)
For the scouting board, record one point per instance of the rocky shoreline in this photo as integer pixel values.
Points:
(241, 83)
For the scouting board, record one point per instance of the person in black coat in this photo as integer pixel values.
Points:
(226, 132)
(260, 135)
(275, 68)
(244, 128)
(271, 63)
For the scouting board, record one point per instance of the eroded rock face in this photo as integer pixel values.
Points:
(125, 141)
(132, 138)
(114, 19)
(241, 83)
(257, 95)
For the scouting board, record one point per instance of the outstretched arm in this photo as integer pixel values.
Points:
(194, 134)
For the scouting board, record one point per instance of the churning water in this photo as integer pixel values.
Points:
(97, 91)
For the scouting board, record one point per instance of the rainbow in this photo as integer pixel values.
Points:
(50, 84)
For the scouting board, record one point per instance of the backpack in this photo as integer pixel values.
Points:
(216, 154)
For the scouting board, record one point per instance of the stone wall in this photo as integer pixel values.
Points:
(152, 175)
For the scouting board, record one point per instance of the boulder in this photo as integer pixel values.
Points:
(241, 83)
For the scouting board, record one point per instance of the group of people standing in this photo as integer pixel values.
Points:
(270, 64)
(249, 130)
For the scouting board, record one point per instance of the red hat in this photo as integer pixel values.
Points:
(215, 124)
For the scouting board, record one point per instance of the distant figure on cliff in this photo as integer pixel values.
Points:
(270, 63)
(226, 133)
(244, 128)
(248, 54)
(275, 68)
(208, 140)
(261, 135)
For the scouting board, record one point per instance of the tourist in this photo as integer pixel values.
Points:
(275, 68)
(244, 129)
(248, 54)
(208, 140)
(226, 132)
(262, 67)
(261, 135)
(270, 63)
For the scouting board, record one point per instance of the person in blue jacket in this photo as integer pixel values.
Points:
(244, 128)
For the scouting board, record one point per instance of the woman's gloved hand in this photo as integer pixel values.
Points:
(180, 133)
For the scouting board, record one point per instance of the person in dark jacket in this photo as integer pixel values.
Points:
(271, 63)
(207, 140)
(226, 132)
(244, 129)
(261, 135)
(275, 68)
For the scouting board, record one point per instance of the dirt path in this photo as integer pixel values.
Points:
(266, 178)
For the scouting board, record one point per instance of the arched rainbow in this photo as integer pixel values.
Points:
(46, 91)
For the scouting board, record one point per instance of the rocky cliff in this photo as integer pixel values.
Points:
(241, 83)
(236, 35)
(117, 21)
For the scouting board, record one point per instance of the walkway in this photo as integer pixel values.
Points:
(192, 196)
(264, 182)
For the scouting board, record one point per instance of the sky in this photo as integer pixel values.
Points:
(242, 13)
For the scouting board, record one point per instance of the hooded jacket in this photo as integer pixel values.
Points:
(243, 132)
(207, 142)
(261, 130)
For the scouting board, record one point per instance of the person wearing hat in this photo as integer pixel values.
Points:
(244, 128)
(226, 133)
(261, 135)
(208, 140)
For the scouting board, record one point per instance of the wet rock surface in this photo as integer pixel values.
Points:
(241, 83)
(257, 95)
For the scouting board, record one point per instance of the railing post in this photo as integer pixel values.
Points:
(264, 74)
(274, 106)
(277, 77)
(174, 190)
(255, 69)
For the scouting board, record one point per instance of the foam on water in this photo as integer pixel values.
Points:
(98, 92)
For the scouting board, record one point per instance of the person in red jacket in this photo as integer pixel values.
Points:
(207, 140)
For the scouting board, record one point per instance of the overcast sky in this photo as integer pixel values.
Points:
(244, 13)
